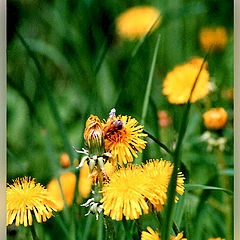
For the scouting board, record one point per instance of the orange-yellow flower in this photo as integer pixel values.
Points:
(216, 238)
(68, 183)
(136, 22)
(152, 235)
(179, 82)
(123, 138)
(215, 38)
(215, 118)
(26, 198)
(65, 160)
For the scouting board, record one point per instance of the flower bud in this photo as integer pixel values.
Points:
(215, 118)
(93, 136)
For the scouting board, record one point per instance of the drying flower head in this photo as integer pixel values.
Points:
(123, 137)
(24, 198)
(215, 118)
(179, 82)
(157, 175)
(93, 136)
(215, 38)
(152, 235)
(122, 194)
(135, 22)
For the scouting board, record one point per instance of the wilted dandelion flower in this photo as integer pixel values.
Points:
(179, 82)
(24, 198)
(152, 235)
(157, 174)
(136, 22)
(123, 138)
(215, 118)
(215, 38)
(93, 135)
(122, 195)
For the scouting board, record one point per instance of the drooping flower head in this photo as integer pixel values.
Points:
(93, 136)
(152, 235)
(26, 197)
(135, 22)
(123, 137)
(122, 195)
(215, 38)
(179, 82)
(215, 118)
(157, 174)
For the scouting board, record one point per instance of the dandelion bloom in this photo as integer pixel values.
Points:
(215, 118)
(157, 174)
(68, 183)
(123, 138)
(197, 61)
(152, 235)
(179, 83)
(122, 195)
(24, 198)
(135, 22)
(65, 160)
(85, 181)
(215, 38)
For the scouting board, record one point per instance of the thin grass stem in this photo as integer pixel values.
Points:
(149, 83)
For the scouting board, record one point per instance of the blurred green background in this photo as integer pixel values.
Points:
(85, 68)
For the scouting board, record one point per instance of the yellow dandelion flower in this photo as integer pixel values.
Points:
(215, 118)
(152, 235)
(179, 82)
(216, 238)
(122, 194)
(135, 22)
(197, 61)
(24, 198)
(85, 182)
(215, 38)
(123, 138)
(68, 183)
(157, 174)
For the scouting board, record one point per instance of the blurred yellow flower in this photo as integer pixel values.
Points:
(179, 82)
(216, 238)
(197, 61)
(157, 174)
(152, 235)
(136, 22)
(68, 183)
(215, 38)
(123, 138)
(24, 198)
(215, 118)
(122, 194)
(65, 160)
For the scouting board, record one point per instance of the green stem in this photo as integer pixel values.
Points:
(169, 210)
(127, 230)
(33, 231)
(163, 146)
(139, 227)
(149, 84)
